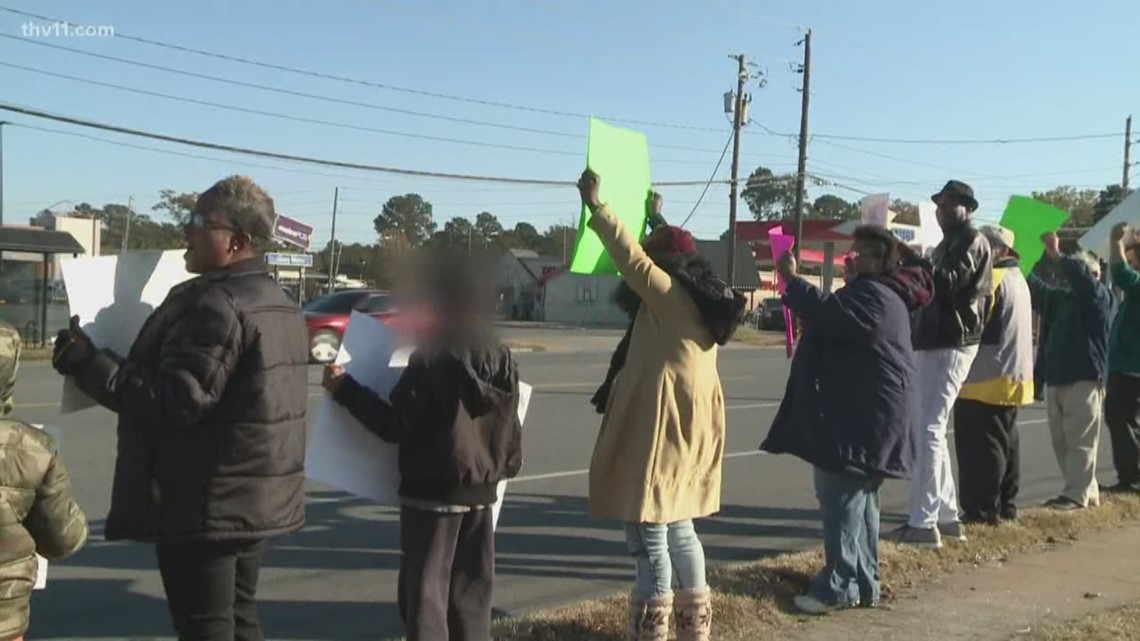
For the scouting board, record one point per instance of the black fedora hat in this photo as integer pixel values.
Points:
(960, 192)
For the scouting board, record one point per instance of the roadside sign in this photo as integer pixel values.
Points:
(293, 232)
(289, 260)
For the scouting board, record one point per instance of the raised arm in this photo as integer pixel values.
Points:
(850, 314)
(1123, 275)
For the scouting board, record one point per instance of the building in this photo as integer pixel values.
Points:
(520, 278)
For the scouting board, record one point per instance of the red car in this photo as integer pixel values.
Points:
(328, 316)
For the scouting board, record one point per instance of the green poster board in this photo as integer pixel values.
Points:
(621, 158)
(1028, 219)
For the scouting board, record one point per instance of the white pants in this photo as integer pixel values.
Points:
(941, 373)
(1074, 423)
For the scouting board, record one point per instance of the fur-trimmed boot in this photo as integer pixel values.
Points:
(649, 619)
(692, 610)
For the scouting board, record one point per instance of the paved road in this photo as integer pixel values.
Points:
(336, 579)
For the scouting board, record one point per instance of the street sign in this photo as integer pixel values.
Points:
(289, 260)
(293, 232)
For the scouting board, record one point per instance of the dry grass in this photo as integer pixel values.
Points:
(31, 354)
(1111, 625)
(752, 336)
(753, 600)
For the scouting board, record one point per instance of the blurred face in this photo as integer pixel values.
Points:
(950, 212)
(211, 243)
(865, 257)
(1133, 258)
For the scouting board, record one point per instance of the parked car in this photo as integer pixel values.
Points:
(328, 316)
(772, 314)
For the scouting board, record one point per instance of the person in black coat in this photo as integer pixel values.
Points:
(211, 402)
(850, 405)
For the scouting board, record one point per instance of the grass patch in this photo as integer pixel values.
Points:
(1117, 624)
(752, 336)
(753, 600)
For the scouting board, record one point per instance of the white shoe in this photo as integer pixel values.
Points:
(808, 604)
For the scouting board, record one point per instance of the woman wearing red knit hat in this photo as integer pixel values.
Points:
(657, 461)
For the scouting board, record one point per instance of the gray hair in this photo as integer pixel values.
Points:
(1091, 261)
(244, 204)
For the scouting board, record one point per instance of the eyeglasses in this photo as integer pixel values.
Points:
(200, 221)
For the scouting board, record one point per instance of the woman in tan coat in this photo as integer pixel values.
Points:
(657, 461)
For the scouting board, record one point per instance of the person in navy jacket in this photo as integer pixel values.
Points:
(850, 406)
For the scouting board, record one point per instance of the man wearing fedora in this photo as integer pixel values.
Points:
(1000, 381)
(946, 334)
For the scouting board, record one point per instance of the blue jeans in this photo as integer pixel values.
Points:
(850, 506)
(665, 554)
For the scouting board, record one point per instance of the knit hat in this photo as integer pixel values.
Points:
(671, 241)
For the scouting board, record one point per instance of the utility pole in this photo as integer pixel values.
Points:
(1127, 151)
(332, 243)
(127, 224)
(801, 172)
(737, 125)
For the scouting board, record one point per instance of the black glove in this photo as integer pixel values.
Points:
(73, 349)
(601, 397)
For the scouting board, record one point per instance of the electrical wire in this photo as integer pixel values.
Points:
(711, 178)
(35, 113)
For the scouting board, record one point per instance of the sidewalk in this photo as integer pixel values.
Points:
(1005, 600)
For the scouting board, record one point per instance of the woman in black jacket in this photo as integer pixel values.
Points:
(211, 402)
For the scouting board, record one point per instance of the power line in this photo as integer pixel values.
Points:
(4, 106)
(368, 83)
(712, 176)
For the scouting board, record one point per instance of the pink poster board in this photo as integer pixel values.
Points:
(780, 244)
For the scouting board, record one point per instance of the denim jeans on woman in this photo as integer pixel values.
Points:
(850, 506)
(666, 555)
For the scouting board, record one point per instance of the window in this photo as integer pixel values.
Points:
(339, 303)
(380, 305)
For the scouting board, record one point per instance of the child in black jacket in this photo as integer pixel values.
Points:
(454, 415)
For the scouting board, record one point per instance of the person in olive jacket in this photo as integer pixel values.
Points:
(211, 402)
(946, 334)
(42, 516)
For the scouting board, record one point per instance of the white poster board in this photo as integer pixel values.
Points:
(875, 210)
(929, 232)
(113, 296)
(1097, 237)
(343, 453)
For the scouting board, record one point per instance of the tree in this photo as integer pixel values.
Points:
(1108, 199)
(558, 242)
(768, 196)
(1080, 203)
(906, 212)
(176, 205)
(833, 207)
(405, 221)
(487, 228)
(457, 234)
(523, 236)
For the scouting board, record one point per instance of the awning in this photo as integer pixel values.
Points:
(38, 241)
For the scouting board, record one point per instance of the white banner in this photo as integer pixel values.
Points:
(875, 210)
(1096, 238)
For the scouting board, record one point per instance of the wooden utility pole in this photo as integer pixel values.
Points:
(1127, 151)
(801, 172)
(737, 125)
(127, 224)
(332, 244)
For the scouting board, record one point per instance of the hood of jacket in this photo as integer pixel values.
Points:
(721, 308)
(913, 284)
(484, 374)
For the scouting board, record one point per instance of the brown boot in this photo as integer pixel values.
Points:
(692, 610)
(649, 619)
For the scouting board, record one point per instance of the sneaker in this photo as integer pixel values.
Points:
(1063, 504)
(808, 604)
(952, 531)
(918, 537)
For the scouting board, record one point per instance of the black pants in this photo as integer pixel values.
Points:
(989, 460)
(1122, 413)
(211, 588)
(447, 570)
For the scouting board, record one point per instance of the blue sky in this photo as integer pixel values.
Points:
(888, 69)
